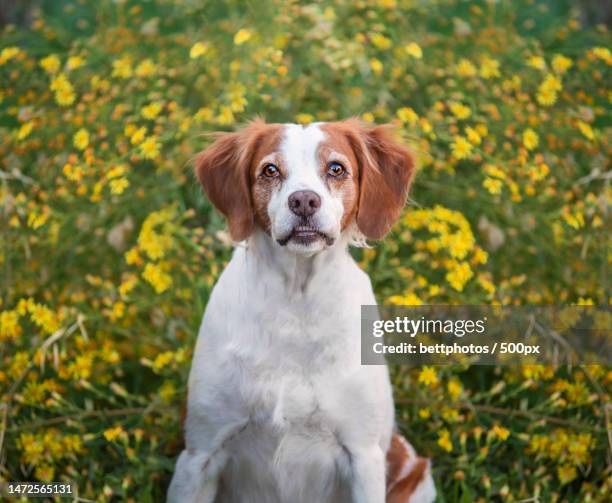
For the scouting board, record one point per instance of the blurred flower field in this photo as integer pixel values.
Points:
(108, 250)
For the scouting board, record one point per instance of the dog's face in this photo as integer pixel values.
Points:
(306, 185)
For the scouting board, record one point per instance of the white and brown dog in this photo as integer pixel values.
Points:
(280, 409)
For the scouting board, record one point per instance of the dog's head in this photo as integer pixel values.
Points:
(306, 185)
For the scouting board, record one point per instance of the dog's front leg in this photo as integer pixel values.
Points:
(368, 475)
(198, 468)
(196, 477)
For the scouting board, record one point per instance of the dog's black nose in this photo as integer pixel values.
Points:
(304, 203)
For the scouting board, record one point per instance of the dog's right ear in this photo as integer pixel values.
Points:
(223, 171)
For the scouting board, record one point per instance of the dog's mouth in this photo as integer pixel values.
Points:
(305, 234)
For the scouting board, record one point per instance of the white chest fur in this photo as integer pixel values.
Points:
(276, 381)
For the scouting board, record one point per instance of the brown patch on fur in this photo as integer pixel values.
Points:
(348, 186)
(385, 171)
(400, 490)
(226, 171)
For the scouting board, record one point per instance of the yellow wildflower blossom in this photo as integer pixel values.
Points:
(198, 50)
(156, 277)
(460, 110)
(461, 148)
(380, 41)
(376, 66)
(50, 64)
(407, 115)
(465, 68)
(489, 68)
(586, 130)
(9, 325)
(81, 139)
(151, 110)
(459, 275)
(122, 68)
(414, 50)
(530, 139)
(428, 376)
(444, 440)
(25, 130)
(146, 68)
(242, 36)
(561, 63)
(150, 148)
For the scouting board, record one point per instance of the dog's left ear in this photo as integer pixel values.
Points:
(386, 170)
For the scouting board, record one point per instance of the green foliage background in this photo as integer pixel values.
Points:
(108, 250)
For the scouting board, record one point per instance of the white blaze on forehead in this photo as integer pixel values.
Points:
(299, 150)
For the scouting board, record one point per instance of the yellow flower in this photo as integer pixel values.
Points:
(8, 53)
(454, 389)
(155, 237)
(167, 391)
(459, 275)
(460, 111)
(242, 36)
(36, 220)
(151, 111)
(461, 148)
(112, 434)
(407, 114)
(146, 68)
(493, 185)
(127, 285)
(81, 139)
(118, 185)
(566, 473)
(428, 376)
(9, 325)
(45, 318)
(367, 116)
(561, 64)
(226, 116)
(74, 62)
(25, 130)
(546, 97)
(304, 118)
(536, 62)
(162, 360)
(465, 68)
(380, 41)
(136, 136)
(50, 64)
(586, 130)
(530, 139)
(500, 432)
(376, 66)
(603, 53)
(444, 440)
(156, 277)
(197, 50)
(64, 92)
(489, 68)
(65, 96)
(473, 136)
(122, 68)
(414, 50)
(150, 148)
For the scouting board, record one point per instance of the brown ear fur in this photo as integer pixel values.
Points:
(386, 170)
(223, 169)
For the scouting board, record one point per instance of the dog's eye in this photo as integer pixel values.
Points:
(270, 171)
(335, 169)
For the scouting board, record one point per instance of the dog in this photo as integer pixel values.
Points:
(279, 408)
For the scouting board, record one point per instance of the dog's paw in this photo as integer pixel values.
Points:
(409, 477)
